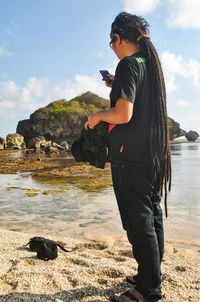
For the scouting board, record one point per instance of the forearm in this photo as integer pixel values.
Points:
(120, 114)
(112, 116)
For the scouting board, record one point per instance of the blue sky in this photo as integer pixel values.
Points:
(53, 49)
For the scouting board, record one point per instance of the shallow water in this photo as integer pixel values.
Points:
(67, 206)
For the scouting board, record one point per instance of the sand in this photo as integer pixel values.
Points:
(94, 271)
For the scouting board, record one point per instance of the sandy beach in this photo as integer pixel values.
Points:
(94, 271)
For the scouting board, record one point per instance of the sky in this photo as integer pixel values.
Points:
(54, 49)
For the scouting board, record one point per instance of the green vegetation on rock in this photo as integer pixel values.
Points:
(25, 189)
(78, 107)
(64, 120)
(31, 194)
(49, 192)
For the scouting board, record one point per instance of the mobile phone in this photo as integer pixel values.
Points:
(105, 74)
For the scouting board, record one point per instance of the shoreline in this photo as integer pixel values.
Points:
(184, 142)
(93, 272)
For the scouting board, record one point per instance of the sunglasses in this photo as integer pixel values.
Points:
(113, 39)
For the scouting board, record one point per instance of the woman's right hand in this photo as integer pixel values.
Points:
(109, 84)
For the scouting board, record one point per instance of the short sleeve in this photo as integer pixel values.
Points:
(126, 79)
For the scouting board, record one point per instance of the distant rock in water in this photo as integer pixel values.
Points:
(2, 143)
(62, 121)
(15, 141)
(40, 144)
(174, 129)
(192, 136)
(36, 142)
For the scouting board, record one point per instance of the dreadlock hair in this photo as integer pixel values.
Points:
(130, 27)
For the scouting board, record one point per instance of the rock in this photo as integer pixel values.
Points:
(2, 143)
(50, 149)
(15, 140)
(40, 144)
(192, 136)
(65, 145)
(35, 142)
(59, 147)
(61, 120)
(64, 120)
(45, 145)
(174, 129)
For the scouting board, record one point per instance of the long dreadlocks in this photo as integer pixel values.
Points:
(135, 29)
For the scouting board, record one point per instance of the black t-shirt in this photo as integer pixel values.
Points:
(130, 142)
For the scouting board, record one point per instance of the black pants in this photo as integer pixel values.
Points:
(141, 217)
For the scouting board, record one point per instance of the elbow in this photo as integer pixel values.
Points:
(127, 118)
(124, 120)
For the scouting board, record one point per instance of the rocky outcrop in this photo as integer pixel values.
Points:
(174, 129)
(36, 142)
(61, 120)
(192, 136)
(40, 144)
(65, 145)
(2, 143)
(15, 140)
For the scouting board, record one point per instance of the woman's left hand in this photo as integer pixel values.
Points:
(93, 120)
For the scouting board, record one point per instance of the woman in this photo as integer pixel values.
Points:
(138, 149)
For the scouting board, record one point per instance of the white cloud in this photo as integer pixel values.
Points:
(5, 105)
(36, 93)
(4, 52)
(36, 87)
(181, 13)
(194, 72)
(176, 66)
(139, 6)
(192, 122)
(184, 13)
(182, 103)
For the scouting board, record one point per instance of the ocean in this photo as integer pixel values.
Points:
(67, 208)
